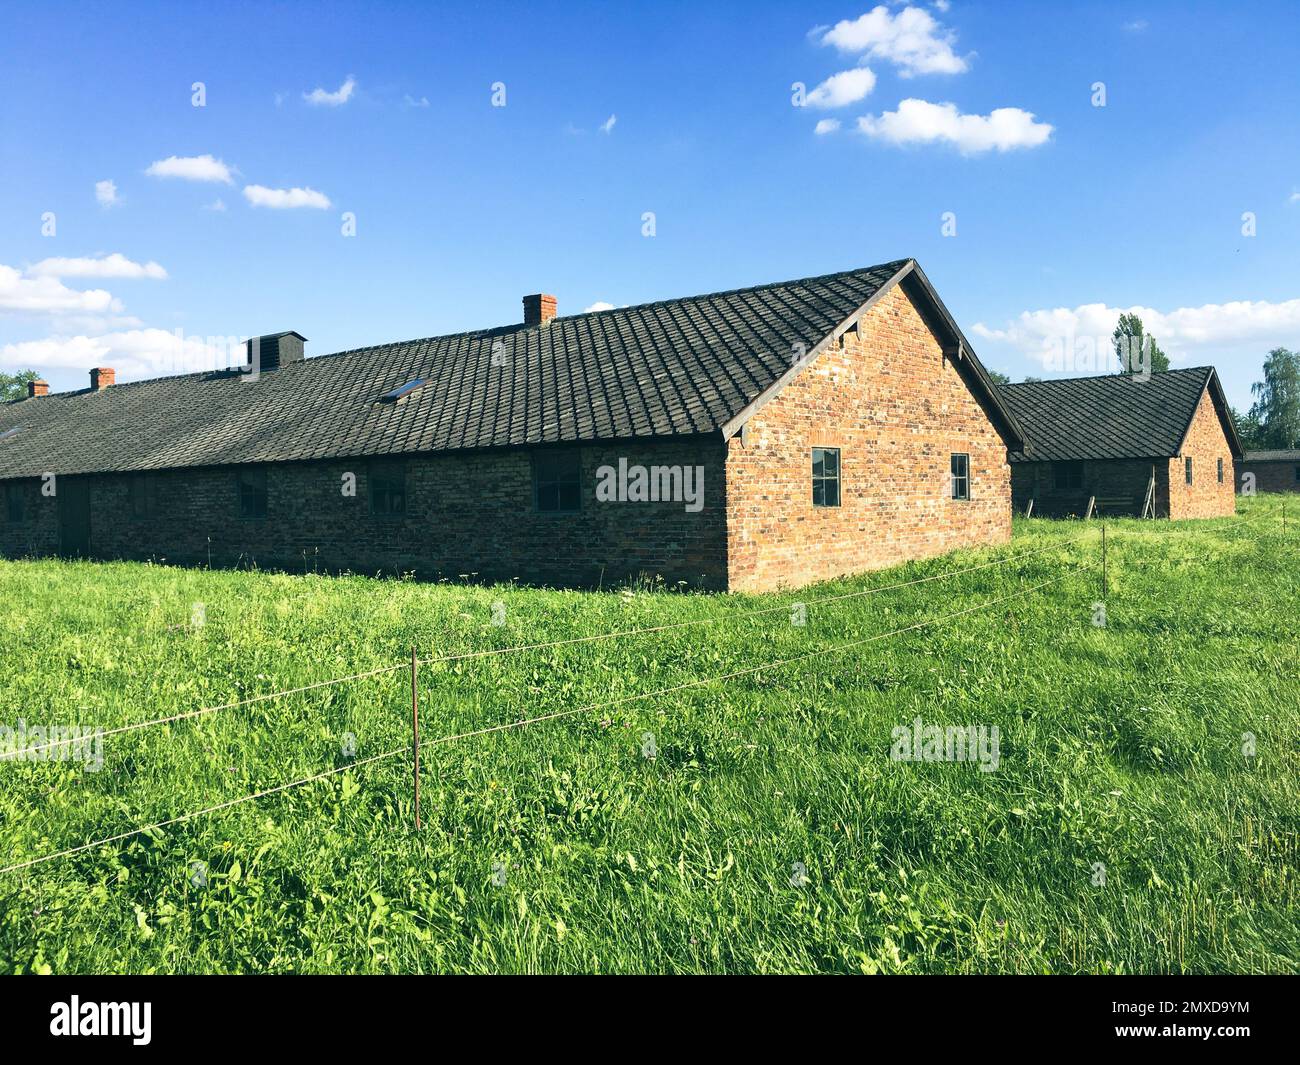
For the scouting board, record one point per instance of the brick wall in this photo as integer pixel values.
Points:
(1119, 486)
(1206, 444)
(885, 396)
(37, 533)
(1281, 476)
(470, 514)
(897, 410)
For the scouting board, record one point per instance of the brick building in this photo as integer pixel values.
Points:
(1273, 471)
(747, 439)
(1160, 446)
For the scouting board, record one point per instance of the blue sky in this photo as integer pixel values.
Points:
(462, 207)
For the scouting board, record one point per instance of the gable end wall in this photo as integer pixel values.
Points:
(1206, 443)
(897, 409)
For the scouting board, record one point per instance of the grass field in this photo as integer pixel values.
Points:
(1123, 830)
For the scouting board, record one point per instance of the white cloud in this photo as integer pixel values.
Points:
(216, 205)
(912, 39)
(106, 193)
(321, 98)
(48, 295)
(846, 87)
(64, 324)
(941, 5)
(1137, 25)
(1294, 197)
(921, 122)
(261, 196)
(608, 124)
(599, 305)
(411, 101)
(1047, 335)
(192, 168)
(826, 125)
(115, 265)
(134, 353)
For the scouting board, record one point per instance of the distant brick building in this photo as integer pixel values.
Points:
(778, 434)
(1157, 446)
(1273, 471)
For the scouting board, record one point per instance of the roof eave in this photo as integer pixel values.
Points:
(1215, 388)
(1013, 432)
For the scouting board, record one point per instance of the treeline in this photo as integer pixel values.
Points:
(1273, 420)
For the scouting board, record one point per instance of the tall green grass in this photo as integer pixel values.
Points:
(560, 846)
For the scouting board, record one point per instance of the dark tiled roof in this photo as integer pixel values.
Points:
(1115, 416)
(1272, 456)
(683, 366)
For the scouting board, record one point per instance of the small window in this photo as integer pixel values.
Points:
(1068, 476)
(388, 488)
(826, 476)
(961, 476)
(400, 394)
(144, 495)
(1297, 475)
(14, 502)
(557, 482)
(1187, 469)
(251, 485)
(1220, 471)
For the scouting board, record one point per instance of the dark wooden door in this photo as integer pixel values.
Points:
(73, 494)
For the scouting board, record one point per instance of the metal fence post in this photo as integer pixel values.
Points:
(415, 732)
(1103, 561)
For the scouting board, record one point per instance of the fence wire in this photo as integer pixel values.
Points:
(525, 722)
(619, 634)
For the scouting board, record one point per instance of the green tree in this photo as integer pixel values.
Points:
(1277, 401)
(1133, 346)
(1248, 428)
(999, 378)
(14, 385)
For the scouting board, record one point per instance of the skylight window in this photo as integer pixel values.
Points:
(399, 394)
(10, 433)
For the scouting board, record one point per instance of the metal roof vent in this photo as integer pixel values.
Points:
(401, 394)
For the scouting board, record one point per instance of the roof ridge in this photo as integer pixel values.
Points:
(503, 329)
(899, 263)
(518, 326)
(1107, 376)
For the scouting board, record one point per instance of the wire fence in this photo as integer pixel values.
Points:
(525, 722)
(520, 648)
(413, 664)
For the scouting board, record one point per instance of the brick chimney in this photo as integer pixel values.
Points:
(538, 309)
(274, 350)
(101, 377)
(38, 388)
